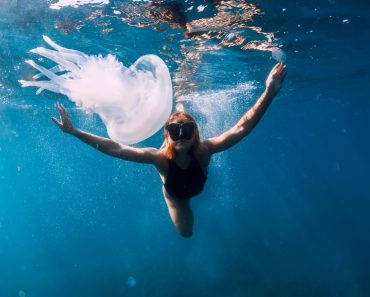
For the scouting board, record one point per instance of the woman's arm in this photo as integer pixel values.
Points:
(249, 120)
(106, 145)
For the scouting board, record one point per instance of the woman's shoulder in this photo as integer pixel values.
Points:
(202, 149)
(161, 160)
(202, 154)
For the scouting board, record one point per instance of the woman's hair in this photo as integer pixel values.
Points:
(169, 151)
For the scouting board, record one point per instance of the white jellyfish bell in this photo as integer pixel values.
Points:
(133, 102)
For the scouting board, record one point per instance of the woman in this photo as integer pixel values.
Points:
(183, 160)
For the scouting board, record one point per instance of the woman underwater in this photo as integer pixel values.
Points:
(183, 161)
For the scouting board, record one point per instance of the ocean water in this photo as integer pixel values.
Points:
(284, 213)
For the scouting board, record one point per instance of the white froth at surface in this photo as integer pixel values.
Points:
(75, 3)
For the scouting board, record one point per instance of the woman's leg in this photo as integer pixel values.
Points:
(181, 215)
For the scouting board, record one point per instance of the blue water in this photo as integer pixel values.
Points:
(284, 213)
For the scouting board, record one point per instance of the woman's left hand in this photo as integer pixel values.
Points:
(275, 79)
(65, 123)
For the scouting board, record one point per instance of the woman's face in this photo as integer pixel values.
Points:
(181, 134)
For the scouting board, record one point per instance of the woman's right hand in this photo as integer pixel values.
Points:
(65, 123)
(275, 79)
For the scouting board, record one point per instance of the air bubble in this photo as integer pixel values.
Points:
(131, 281)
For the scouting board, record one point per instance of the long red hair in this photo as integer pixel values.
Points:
(169, 151)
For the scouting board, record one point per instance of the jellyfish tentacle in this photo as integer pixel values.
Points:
(49, 74)
(44, 85)
(57, 58)
(63, 49)
(54, 69)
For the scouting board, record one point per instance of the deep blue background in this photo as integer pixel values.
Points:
(284, 213)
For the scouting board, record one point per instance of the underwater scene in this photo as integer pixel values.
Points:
(285, 212)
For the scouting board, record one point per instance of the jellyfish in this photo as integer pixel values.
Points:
(133, 102)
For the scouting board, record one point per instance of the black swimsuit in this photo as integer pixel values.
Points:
(184, 183)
